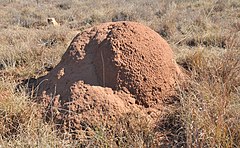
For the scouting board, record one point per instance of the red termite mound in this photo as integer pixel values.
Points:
(109, 70)
(124, 56)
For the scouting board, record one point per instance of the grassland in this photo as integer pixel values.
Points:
(204, 34)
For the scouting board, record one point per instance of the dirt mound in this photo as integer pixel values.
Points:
(108, 71)
(123, 56)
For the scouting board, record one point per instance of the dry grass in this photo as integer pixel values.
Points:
(20, 122)
(205, 36)
(211, 102)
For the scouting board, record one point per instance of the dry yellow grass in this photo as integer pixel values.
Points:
(211, 102)
(205, 36)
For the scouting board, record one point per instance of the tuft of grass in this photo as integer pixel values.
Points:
(211, 102)
(130, 130)
(21, 124)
